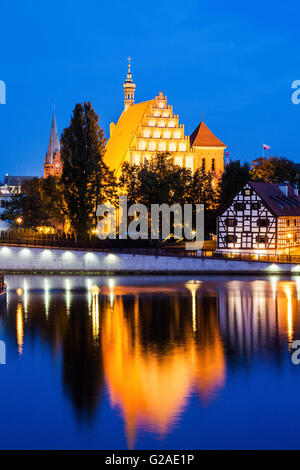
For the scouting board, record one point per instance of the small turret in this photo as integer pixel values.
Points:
(129, 88)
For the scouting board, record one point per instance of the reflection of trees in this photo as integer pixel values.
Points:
(82, 360)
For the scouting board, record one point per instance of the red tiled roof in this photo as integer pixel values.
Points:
(203, 137)
(278, 203)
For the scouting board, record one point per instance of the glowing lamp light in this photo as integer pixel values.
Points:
(19, 291)
(19, 220)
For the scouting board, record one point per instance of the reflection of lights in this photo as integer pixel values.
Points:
(296, 279)
(288, 292)
(47, 297)
(273, 282)
(68, 295)
(95, 310)
(20, 329)
(296, 269)
(193, 286)
(19, 291)
(25, 297)
(95, 290)
(111, 284)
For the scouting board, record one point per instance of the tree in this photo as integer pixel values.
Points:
(161, 181)
(234, 178)
(28, 205)
(273, 170)
(203, 190)
(86, 179)
(52, 197)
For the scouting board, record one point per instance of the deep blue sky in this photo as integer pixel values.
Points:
(233, 61)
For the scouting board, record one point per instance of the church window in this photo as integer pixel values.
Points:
(162, 146)
(161, 124)
(172, 147)
(166, 114)
(136, 159)
(189, 163)
(146, 157)
(152, 146)
(156, 113)
(182, 147)
(156, 134)
(161, 104)
(171, 124)
(177, 135)
(178, 161)
(151, 123)
(167, 134)
(141, 145)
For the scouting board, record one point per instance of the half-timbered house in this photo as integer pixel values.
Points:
(262, 218)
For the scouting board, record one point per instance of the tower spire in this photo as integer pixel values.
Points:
(129, 87)
(52, 163)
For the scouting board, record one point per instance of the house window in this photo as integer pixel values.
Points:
(230, 222)
(230, 238)
(288, 222)
(255, 206)
(213, 167)
(203, 164)
(247, 192)
(263, 222)
(295, 222)
(239, 206)
(261, 239)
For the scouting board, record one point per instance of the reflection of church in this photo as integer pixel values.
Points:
(151, 127)
(153, 346)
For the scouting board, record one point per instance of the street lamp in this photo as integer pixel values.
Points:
(19, 220)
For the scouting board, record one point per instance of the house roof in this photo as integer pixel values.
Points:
(203, 137)
(278, 203)
(124, 132)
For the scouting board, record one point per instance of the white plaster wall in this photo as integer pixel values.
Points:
(39, 259)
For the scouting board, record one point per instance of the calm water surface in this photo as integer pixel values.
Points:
(149, 363)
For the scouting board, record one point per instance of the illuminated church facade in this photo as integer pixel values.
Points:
(150, 127)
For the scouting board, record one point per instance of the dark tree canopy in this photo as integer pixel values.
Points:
(86, 180)
(28, 205)
(234, 178)
(273, 170)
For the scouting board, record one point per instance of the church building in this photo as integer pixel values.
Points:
(53, 165)
(151, 127)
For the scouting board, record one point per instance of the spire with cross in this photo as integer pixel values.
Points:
(129, 87)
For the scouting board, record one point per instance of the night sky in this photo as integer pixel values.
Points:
(232, 61)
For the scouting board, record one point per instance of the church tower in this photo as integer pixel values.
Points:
(129, 88)
(52, 165)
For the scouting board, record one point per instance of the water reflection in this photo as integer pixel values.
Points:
(153, 346)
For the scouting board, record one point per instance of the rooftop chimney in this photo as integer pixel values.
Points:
(284, 189)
